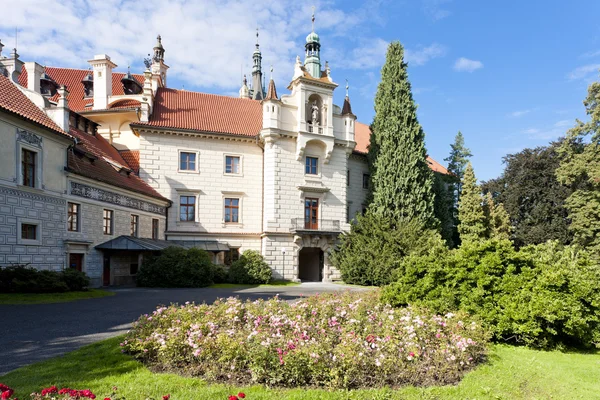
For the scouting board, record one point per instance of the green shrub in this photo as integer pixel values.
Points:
(220, 274)
(374, 248)
(24, 279)
(251, 268)
(75, 280)
(343, 340)
(544, 296)
(176, 267)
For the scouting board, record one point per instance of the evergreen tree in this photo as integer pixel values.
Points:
(472, 225)
(443, 208)
(497, 219)
(402, 182)
(457, 163)
(580, 169)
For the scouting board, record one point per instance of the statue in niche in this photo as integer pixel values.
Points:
(315, 113)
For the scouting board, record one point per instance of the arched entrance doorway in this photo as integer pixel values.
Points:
(310, 264)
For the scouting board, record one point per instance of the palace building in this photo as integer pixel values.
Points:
(104, 167)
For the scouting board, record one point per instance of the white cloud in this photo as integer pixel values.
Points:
(519, 113)
(563, 123)
(531, 131)
(422, 55)
(206, 42)
(583, 72)
(434, 9)
(466, 65)
(591, 54)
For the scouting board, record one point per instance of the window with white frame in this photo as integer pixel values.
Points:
(311, 166)
(107, 220)
(73, 216)
(232, 210)
(135, 225)
(233, 165)
(187, 208)
(188, 161)
(29, 231)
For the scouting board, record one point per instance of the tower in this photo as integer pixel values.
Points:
(159, 68)
(312, 61)
(257, 80)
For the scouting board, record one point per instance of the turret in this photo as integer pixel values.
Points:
(348, 117)
(158, 67)
(244, 90)
(257, 87)
(271, 106)
(312, 61)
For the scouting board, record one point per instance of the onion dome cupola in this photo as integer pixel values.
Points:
(258, 92)
(312, 61)
(130, 85)
(48, 86)
(159, 50)
(88, 84)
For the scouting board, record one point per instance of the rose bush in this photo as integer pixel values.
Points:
(344, 340)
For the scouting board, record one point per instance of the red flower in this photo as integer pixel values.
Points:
(166, 397)
(233, 397)
(6, 394)
(241, 395)
(107, 398)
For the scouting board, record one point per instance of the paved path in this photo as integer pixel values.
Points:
(31, 333)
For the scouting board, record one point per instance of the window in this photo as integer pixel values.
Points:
(348, 177)
(232, 164)
(232, 207)
(187, 161)
(311, 165)
(28, 165)
(187, 208)
(154, 228)
(231, 256)
(73, 217)
(133, 269)
(135, 220)
(29, 231)
(366, 179)
(108, 222)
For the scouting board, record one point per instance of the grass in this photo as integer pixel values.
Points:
(237, 285)
(512, 373)
(45, 298)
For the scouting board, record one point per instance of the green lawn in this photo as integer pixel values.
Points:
(43, 298)
(512, 373)
(237, 285)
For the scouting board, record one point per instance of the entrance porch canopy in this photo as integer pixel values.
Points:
(130, 243)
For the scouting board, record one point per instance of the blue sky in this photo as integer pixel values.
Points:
(509, 75)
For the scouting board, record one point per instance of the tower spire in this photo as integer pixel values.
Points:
(312, 61)
(257, 78)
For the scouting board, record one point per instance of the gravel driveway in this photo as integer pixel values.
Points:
(32, 333)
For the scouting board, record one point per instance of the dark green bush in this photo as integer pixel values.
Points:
(251, 268)
(176, 267)
(545, 296)
(75, 280)
(220, 274)
(24, 279)
(374, 248)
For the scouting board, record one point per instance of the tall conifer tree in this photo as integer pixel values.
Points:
(472, 226)
(401, 178)
(457, 163)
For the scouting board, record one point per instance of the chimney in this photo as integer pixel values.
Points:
(60, 113)
(34, 73)
(12, 65)
(102, 80)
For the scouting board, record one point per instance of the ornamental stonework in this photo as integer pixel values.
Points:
(29, 137)
(32, 196)
(94, 193)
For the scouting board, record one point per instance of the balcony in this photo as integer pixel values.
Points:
(300, 225)
(311, 129)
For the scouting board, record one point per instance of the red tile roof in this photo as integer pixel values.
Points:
(72, 78)
(104, 168)
(13, 100)
(132, 158)
(362, 134)
(125, 103)
(182, 109)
